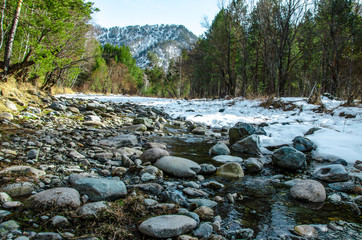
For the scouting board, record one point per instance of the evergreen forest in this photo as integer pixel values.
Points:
(250, 49)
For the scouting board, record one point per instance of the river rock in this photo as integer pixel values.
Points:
(194, 192)
(232, 169)
(303, 144)
(10, 105)
(204, 231)
(153, 188)
(10, 225)
(332, 173)
(99, 189)
(6, 115)
(23, 171)
(207, 168)
(168, 196)
(253, 165)
(153, 154)
(120, 141)
(306, 231)
(154, 145)
(205, 213)
(240, 131)
(59, 221)
(179, 167)
(167, 226)
(227, 158)
(19, 189)
(4, 197)
(93, 118)
(55, 197)
(203, 202)
(96, 105)
(289, 158)
(91, 209)
(33, 154)
(248, 145)
(58, 106)
(219, 149)
(309, 191)
(343, 186)
(48, 236)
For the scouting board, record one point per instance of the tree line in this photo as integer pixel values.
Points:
(279, 48)
(261, 48)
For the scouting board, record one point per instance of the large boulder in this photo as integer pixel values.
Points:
(167, 226)
(289, 158)
(232, 169)
(99, 189)
(308, 191)
(248, 145)
(303, 144)
(55, 197)
(240, 131)
(179, 167)
(153, 154)
(219, 149)
(332, 173)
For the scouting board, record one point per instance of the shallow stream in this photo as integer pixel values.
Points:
(266, 206)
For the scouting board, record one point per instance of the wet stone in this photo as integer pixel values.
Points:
(332, 173)
(309, 190)
(219, 149)
(289, 158)
(232, 170)
(204, 231)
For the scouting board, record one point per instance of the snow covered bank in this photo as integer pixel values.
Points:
(339, 137)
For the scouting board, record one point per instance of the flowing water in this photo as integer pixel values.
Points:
(266, 206)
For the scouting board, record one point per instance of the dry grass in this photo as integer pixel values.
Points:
(61, 90)
(24, 92)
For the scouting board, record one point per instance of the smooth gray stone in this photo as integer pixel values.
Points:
(227, 158)
(204, 231)
(167, 226)
(101, 189)
(55, 197)
(219, 149)
(179, 167)
(203, 202)
(91, 209)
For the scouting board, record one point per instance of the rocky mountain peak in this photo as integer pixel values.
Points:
(167, 41)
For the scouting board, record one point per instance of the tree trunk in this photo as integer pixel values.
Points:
(2, 24)
(10, 41)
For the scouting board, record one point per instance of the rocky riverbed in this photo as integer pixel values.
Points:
(81, 169)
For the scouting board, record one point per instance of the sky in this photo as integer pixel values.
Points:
(190, 13)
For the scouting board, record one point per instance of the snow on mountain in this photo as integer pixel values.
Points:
(167, 41)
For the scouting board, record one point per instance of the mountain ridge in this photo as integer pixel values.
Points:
(167, 41)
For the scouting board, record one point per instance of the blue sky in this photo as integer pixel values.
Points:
(190, 13)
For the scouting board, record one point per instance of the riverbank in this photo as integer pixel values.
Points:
(82, 169)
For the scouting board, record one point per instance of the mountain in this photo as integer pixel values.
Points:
(167, 41)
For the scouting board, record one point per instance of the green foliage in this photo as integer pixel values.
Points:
(279, 48)
(114, 71)
(50, 40)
